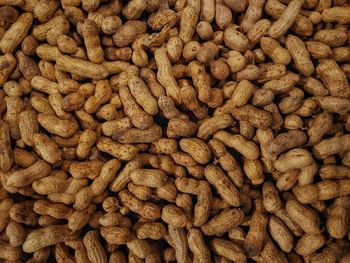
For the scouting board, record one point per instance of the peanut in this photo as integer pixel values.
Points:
(174, 130)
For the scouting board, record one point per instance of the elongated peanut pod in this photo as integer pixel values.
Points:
(256, 236)
(197, 245)
(6, 155)
(281, 26)
(165, 76)
(178, 235)
(212, 125)
(226, 189)
(81, 67)
(247, 148)
(300, 55)
(189, 19)
(45, 237)
(207, 10)
(16, 33)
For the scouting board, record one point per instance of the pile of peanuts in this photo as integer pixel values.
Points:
(174, 131)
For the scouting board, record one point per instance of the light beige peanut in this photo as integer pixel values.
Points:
(286, 141)
(81, 67)
(236, 61)
(16, 33)
(9, 252)
(134, 135)
(333, 104)
(148, 177)
(123, 177)
(324, 36)
(323, 190)
(27, 176)
(94, 249)
(228, 249)
(223, 14)
(103, 93)
(167, 106)
(204, 30)
(254, 171)
(212, 125)
(46, 148)
(227, 162)
(256, 117)
(54, 183)
(207, 11)
(309, 243)
(242, 93)
(300, 55)
(55, 210)
(45, 237)
(329, 171)
(226, 189)
(236, 6)
(165, 77)
(273, 204)
(174, 216)
(284, 84)
(5, 206)
(297, 158)
(305, 217)
(235, 39)
(53, 124)
(200, 80)
(23, 158)
(280, 233)
(197, 245)
(333, 78)
(151, 230)
(330, 253)
(207, 52)
(14, 107)
(270, 252)
(318, 50)
(337, 217)
(165, 146)
(204, 196)
(253, 13)
(220, 223)
(247, 148)
(275, 51)
(271, 72)
(16, 233)
(281, 26)
(86, 141)
(145, 209)
(9, 62)
(334, 146)
(256, 235)
(189, 20)
(303, 25)
(140, 247)
(6, 156)
(178, 235)
(258, 30)
(138, 117)
(197, 149)
(336, 14)
(85, 195)
(142, 95)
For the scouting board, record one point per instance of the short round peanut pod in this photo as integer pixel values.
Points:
(204, 30)
(111, 24)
